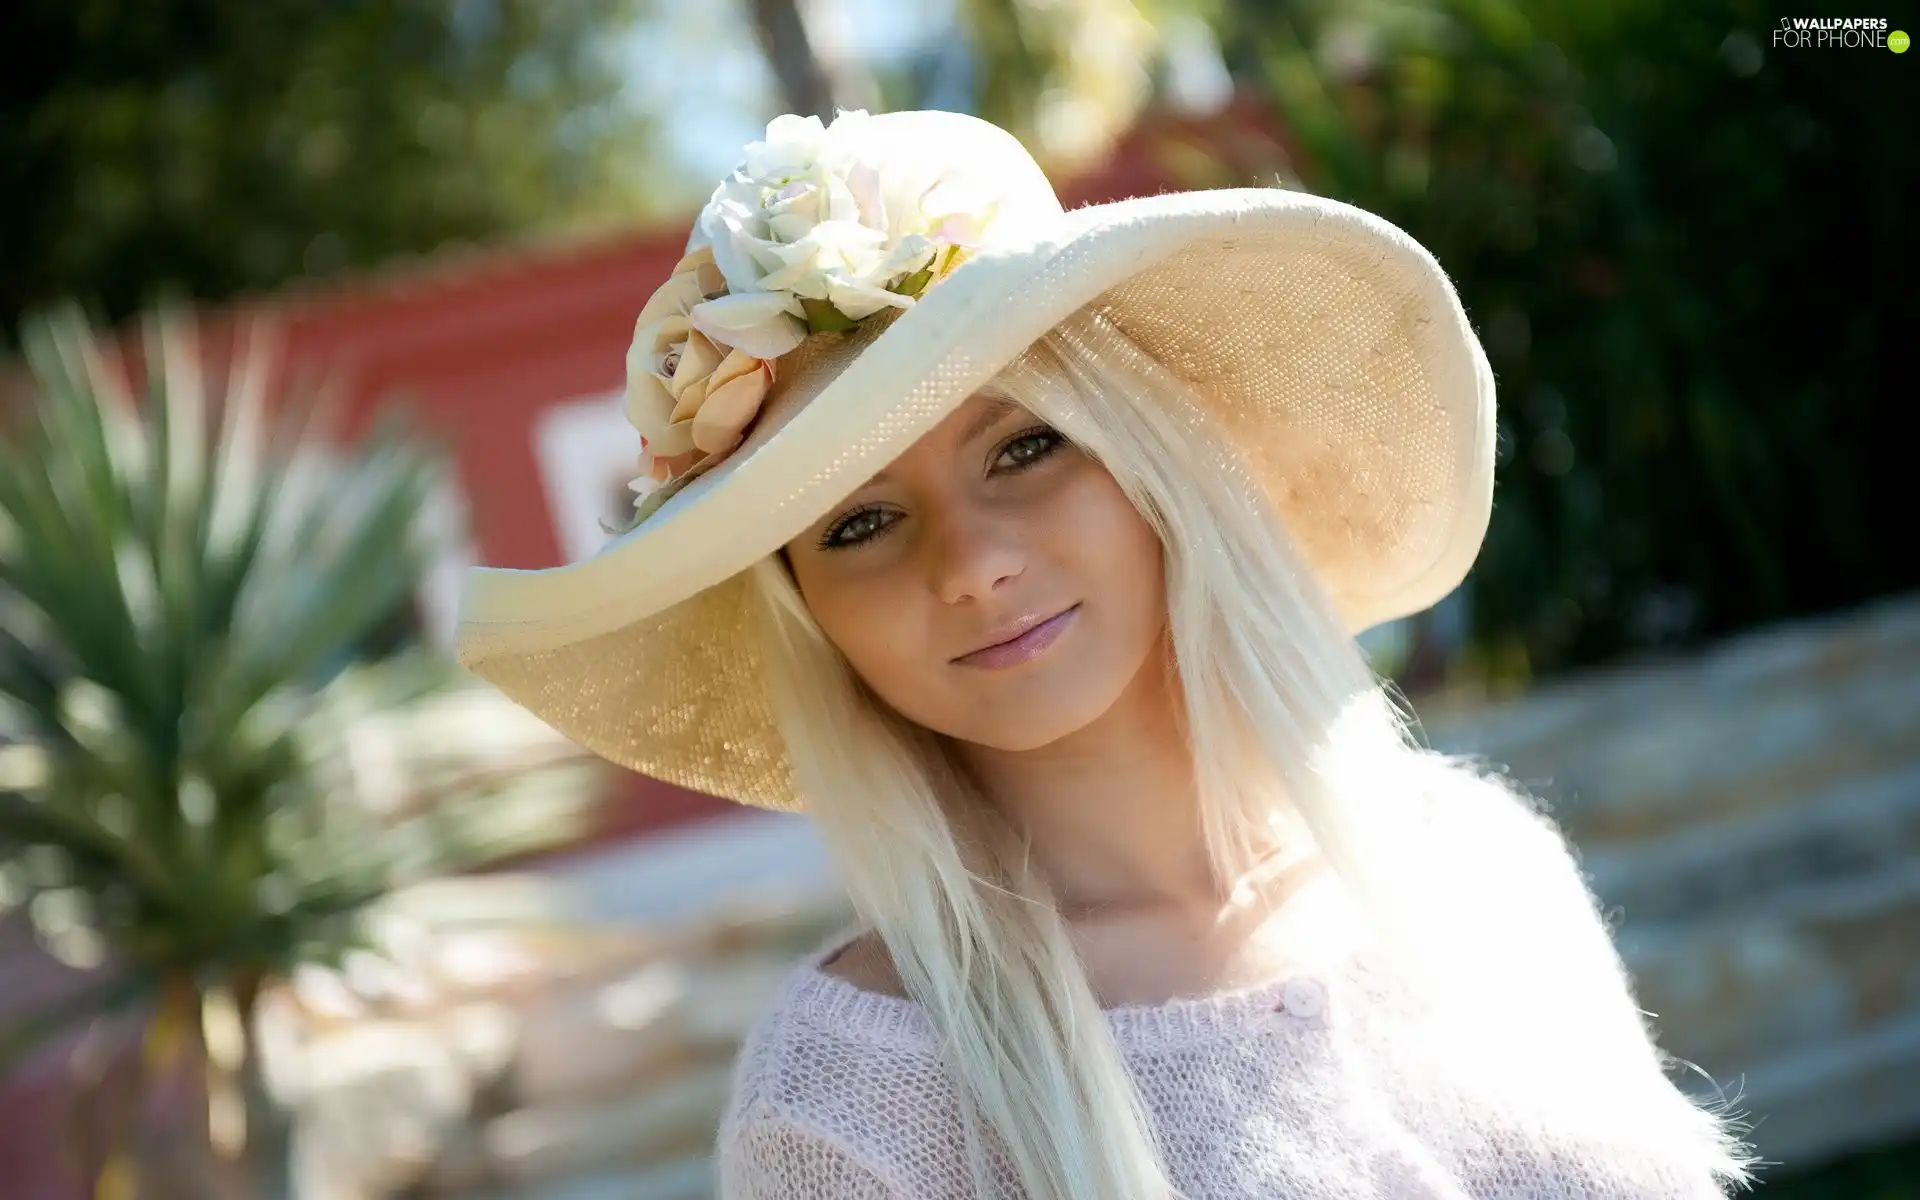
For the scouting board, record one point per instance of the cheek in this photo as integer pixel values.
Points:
(1114, 555)
(878, 625)
(1094, 548)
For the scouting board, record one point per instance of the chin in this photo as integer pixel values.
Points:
(1043, 712)
(1014, 736)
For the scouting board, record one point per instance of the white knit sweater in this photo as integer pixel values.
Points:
(1336, 1080)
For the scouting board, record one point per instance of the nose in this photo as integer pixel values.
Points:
(972, 553)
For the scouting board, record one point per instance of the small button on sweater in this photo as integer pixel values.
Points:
(1337, 1080)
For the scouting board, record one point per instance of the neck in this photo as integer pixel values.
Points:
(1112, 811)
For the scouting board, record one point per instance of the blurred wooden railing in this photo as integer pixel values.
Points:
(1752, 818)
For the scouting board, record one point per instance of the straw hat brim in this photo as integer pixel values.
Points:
(1333, 345)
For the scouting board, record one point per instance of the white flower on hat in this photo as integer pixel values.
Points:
(817, 230)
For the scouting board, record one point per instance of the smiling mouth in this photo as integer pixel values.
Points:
(1025, 646)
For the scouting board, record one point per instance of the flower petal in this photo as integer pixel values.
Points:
(674, 439)
(737, 364)
(800, 272)
(723, 419)
(859, 300)
(842, 204)
(648, 404)
(691, 398)
(651, 342)
(789, 227)
(734, 230)
(965, 229)
(698, 358)
(796, 208)
(848, 239)
(694, 258)
(791, 144)
(863, 181)
(908, 255)
(674, 297)
(764, 324)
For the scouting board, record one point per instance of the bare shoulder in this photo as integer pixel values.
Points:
(865, 963)
(783, 1035)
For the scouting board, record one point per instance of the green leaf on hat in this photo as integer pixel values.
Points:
(823, 317)
(915, 283)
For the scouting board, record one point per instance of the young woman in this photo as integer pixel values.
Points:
(1024, 550)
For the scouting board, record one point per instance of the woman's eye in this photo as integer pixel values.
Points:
(1016, 454)
(856, 527)
(1028, 449)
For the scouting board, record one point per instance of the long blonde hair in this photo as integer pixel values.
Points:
(1291, 733)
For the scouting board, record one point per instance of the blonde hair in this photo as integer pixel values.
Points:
(1291, 734)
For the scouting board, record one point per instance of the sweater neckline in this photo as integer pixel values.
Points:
(834, 1003)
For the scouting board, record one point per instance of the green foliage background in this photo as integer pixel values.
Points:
(1683, 250)
(1681, 245)
(204, 147)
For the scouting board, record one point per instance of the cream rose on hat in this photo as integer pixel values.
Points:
(852, 284)
(815, 231)
(689, 398)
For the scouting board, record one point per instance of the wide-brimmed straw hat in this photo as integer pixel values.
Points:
(852, 284)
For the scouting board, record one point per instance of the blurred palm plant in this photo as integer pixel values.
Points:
(211, 763)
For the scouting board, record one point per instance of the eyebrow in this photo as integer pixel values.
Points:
(989, 416)
(985, 419)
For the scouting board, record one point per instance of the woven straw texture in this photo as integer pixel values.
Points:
(1329, 344)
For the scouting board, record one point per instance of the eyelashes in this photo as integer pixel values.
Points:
(1044, 436)
(835, 538)
(858, 527)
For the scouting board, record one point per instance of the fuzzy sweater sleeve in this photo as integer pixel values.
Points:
(1545, 924)
(1570, 989)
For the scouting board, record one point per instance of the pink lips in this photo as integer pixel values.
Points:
(1023, 647)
